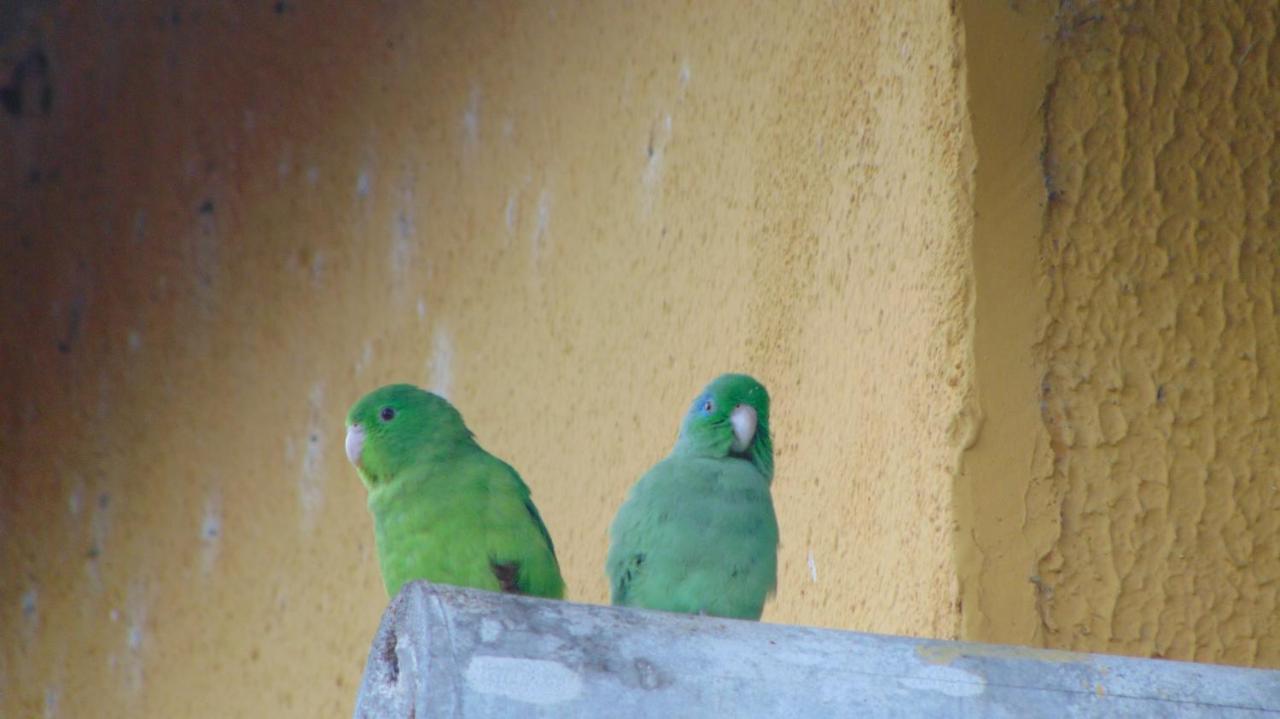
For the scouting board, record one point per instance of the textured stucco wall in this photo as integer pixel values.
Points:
(233, 219)
(1122, 492)
(1162, 356)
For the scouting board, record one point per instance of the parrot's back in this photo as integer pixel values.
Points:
(465, 519)
(696, 535)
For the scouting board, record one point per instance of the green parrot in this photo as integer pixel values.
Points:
(443, 508)
(697, 533)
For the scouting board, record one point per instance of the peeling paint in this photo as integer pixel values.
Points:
(211, 531)
(312, 478)
(440, 366)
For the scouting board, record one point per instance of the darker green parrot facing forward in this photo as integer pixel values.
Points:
(697, 533)
(444, 509)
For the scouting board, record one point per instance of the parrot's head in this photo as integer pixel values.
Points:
(730, 418)
(397, 425)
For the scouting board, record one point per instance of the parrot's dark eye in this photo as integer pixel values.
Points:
(708, 406)
(387, 414)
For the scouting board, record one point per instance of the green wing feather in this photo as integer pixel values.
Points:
(466, 520)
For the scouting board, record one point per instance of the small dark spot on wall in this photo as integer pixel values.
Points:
(1160, 393)
(93, 552)
(29, 86)
(281, 7)
(175, 17)
(73, 326)
(314, 438)
(33, 176)
(104, 499)
(206, 207)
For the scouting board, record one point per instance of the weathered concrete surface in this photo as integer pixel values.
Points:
(448, 652)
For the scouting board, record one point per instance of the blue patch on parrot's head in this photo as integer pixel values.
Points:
(703, 406)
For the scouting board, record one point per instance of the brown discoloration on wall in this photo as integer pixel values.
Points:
(569, 217)
(1162, 355)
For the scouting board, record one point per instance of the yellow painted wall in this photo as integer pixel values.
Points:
(1009, 274)
(238, 217)
(1124, 491)
(1162, 356)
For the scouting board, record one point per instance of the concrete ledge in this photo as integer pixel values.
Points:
(448, 652)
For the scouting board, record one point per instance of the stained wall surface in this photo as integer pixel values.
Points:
(222, 223)
(1162, 352)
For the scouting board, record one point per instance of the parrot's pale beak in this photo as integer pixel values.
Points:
(743, 419)
(355, 443)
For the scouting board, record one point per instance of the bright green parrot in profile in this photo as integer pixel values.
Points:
(697, 533)
(444, 509)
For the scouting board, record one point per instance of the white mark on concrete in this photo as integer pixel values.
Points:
(134, 340)
(52, 697)
(655, 152)
(950, 681)
(489, 630)
(137, 606)
(30, 608)
(512, 211)
(440, 366)
(813, 568)
(133, 638)
(402, 242)
(318, 262)
(364, 182)
(533, 681)
(210, 531)
(686, 73)
(471, 119)
(422, 309)
(366, 357)
(313, 175)
(538, 240)
(115, 616)
(404, 232)
(312, 479)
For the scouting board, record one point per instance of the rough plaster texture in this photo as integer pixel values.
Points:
(230, 220)
(1161, 355)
